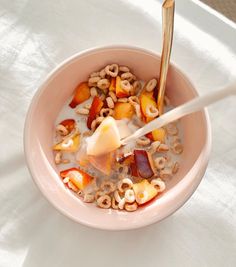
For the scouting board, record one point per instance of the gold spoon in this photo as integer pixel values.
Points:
(168, 9)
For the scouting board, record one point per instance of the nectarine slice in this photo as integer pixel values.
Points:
(123, 110)
(120, 92)
(143, 163)
(144, 191)
(69, 144)
(78, 177)
(96, 106)
(82, 93)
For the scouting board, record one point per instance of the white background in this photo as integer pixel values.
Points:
(35, 35)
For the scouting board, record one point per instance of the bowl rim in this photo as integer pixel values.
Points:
(182, 184)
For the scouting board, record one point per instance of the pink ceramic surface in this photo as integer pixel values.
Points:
(47, 103)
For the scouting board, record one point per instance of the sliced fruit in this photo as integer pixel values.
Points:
(105, 139)
(96, 106)
(123, 110)
(147, 100)
(144, 191)
(134, 171)
(78, 177)
(69, 124)
(112, 86)
(102, 163)
(157, 135)
(69, 144)
(119, 91)
(82, 93)
(143, 162)
(126, 159)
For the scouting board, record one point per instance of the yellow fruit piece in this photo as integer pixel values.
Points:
(102, 163)
(70, 144)
(105, 139)
(147, 100)
(119, 91)
(144, 191)
(112, 86)
(123, 110)
(159, 135)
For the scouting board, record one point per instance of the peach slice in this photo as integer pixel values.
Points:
(112, 86)
(119, 91)
(143, 163)
(78, 177)
(82, 93)
(146, 100)
(96, 106)
(69, 124)
(105, 139)
(69, 144)
(157, 135)
(102, 163)
(123, 110)
(126, 159)
(144, 191)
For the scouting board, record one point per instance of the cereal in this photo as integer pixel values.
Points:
(123, 100)
(58, 157)
(129, 196)
(112, 70)
(127, 76)
(104, 202)
(121, 204)
(110, 102)
(131, 207)
(108, 186)
(151, 111)
(151, 85)
(134, 100)
(94, 74)
(113, 96)
(159, 184)
(123, 69)
(82, 111)
(124, 184)
(96, 122)
(61, 129)
(175, 168)
(125, 85)
(102, 73)
(88, 198)
(177, 148)
(160, 163)
(171, 129)
(114, 204)
(163, 148)
(103, 84)
(166, 173)
(93, 80)
(143, 141)
(93, 91)
(154, 147)
(106, 112)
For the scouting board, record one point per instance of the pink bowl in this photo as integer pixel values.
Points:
(47, 103)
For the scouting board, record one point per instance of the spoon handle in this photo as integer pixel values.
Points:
(193, 105)
(168, 9)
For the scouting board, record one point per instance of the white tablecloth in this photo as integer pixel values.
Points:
(34, 37)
